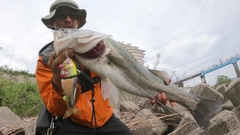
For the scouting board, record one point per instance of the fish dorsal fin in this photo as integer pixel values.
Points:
(136, 53)
(163, 75)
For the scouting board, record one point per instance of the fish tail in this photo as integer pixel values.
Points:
(69, 112)
(205, 108)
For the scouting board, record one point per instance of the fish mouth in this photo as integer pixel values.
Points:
(95, 52)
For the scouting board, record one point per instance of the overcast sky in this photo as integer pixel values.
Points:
(191, 35)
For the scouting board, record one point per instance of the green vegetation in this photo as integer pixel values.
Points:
(7, 70)
(22, 97)
(222, 79)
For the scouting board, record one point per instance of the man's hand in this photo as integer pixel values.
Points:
(54, 62)
(162, 98)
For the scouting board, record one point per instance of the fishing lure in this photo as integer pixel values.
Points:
(69, 73)
(69, 81)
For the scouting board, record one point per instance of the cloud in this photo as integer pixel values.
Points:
(190, 35)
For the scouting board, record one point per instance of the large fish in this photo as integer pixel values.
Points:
(121, 66)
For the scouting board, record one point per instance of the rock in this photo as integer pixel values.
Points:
(186, 125)
(199, 131)
(145, 103)
(236, 111)
(223, 123)
(9, 119)
(228, 105)
(221, 89)
(10, 123)
(233, 92)
(153, 125)
(204, 90)
(31, 125)
(128, 106)
(236, 132)
(144, 112)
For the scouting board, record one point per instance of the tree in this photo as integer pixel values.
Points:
(157, 62)
(174, 77)
(222, 79)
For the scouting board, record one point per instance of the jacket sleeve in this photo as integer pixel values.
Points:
(50, 91)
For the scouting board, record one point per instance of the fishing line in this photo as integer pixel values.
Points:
(178, 115)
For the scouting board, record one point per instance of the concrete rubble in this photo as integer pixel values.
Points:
(10, 124)
(233, 92)
(146, 119)
(205, 91)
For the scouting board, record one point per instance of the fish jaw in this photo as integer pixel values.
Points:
(80, 40)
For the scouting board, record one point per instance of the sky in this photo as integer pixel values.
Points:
(191, 35)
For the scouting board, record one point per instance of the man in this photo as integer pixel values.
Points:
(91, 119)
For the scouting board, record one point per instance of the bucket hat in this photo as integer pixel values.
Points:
(69, 3)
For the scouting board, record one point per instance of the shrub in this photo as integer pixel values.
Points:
(22, 98)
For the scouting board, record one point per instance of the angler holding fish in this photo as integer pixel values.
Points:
(83, 102)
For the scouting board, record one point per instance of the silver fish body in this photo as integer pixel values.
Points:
(118, 65)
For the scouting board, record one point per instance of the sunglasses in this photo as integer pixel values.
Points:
(61, 15)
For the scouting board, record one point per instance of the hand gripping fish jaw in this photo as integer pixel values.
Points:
(69, 81)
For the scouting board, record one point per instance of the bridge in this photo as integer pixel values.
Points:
(233, 60)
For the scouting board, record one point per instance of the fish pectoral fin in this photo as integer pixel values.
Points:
(109, 90)
(162, 75)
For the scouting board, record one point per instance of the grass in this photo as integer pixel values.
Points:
(22, 97)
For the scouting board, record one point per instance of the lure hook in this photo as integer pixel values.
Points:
(66, 53)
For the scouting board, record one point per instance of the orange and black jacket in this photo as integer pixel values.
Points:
(52, 94)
